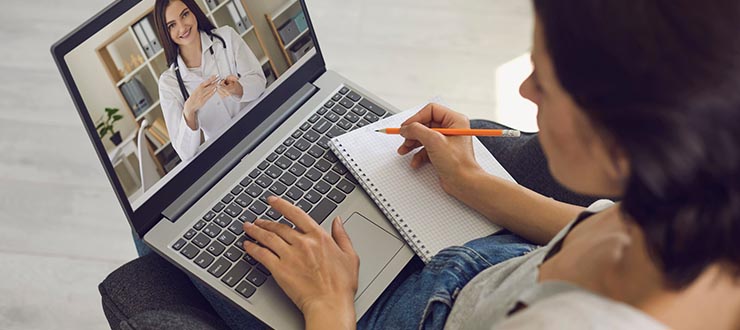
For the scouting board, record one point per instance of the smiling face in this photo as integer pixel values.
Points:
(181, 24)
(580, 158)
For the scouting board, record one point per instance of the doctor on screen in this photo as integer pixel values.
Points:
(212, 75)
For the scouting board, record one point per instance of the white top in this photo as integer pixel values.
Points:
(217, 114)
(488, 300)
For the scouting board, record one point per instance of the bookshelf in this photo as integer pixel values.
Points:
(134, 59)
(290, 30)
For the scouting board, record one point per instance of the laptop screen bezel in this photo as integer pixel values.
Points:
(146, 216)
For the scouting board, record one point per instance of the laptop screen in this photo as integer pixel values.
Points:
(154, 121)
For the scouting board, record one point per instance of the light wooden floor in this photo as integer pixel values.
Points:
(61, 228)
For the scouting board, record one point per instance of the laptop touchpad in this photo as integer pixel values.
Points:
(374, 246)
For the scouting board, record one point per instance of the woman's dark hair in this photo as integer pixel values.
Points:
(170, 47)
(662, 78)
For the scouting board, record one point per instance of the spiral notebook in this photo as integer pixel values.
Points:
(413, 200)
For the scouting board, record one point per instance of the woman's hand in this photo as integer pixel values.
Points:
(317, 271)
(197, 99)
(231, 86)
(451, 156)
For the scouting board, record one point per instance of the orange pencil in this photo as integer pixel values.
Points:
(462, 131)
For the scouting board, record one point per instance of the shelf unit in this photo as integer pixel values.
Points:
(284, 19)
(126, 61)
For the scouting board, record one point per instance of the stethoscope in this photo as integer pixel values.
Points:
(184, 91)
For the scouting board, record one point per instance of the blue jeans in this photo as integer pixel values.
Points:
(421, 297)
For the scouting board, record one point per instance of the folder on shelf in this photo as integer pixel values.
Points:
(243, 14)
(238, 23)
(212, 3)
(143, 40)
(146, 24)
(288, 31)
(136, 96)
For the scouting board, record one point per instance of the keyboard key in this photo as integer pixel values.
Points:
(233, 210)
(288, 179)
(264, 181)
(336, 195)
(362, 123)
(321, 111)
(304, 184)
(280, 149)
(344, 124)
(263, 165)
(316, 151)
(307, 160)
(288, 142)
(274, 214)
(209, 216)
(313, 118)
(336, 97)
(283, 162)
(352, 117)
(274, 172)
(216, 248)
(322, 126)
(335, 131)
(211, 230)
(302, 145)
(256, 277)
(347, 103)
(263, 269)
(297, 169)
(293, 153)
(189, 251)
(305, 126)
(271, 158)
(249, 259)
(237, 190)
(278, 188)
(223, 220)
(254, 190)
(311, 136)
(294, 193)
(218, 207)
(247, 216)
(243, 200)
(227, 199)
(322, 187)
(367, 104)
(258, 208)
(332, 117)
(245, 182)
(322, 210)
(245, 289)
(304, 205)
(233, 254)
(287, 223)
(219, 267)
(323, 142)
(342, 109)
(344, 90)
(297, 134)
(236, 227)
(254, 174)
(313, 174)
(226, 237)
(329, 104)
(358, 110)
(313, 196)
(204, 260)
(371, 117)
(201, 240)
(331, 177)
(236, 273)
(179, 244)
(346, 186)
(339, 168)
(323, 165)
(190, 233)
(330, 157)
(240, 243)
(354, 96)
(264, 196)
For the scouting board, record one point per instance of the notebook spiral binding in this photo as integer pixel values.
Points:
(387, 209)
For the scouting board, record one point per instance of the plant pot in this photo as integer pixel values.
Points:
(116, 138)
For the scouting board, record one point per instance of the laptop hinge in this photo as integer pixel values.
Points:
(201, 186)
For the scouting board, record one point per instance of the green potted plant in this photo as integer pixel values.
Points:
(106, 125)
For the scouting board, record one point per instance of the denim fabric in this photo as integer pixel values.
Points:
(421, 297)
(424, 299)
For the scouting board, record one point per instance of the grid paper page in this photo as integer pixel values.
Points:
(428, 218)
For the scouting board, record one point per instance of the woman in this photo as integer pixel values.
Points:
(639, 100)
(203, 61)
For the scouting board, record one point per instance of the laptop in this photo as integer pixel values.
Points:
(190, 210)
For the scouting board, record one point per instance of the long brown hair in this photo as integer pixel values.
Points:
(170, 47)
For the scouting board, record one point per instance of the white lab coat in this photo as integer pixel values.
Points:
(217, 114)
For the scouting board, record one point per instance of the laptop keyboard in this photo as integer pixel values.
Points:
(301, 170)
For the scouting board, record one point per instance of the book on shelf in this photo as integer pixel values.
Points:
(153, 139)
(158, 125)
(243, 14)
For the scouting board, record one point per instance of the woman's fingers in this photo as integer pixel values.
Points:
(267, 238)
(293, 213)
(284, 231)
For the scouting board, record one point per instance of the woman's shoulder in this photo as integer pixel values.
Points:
(225, 32)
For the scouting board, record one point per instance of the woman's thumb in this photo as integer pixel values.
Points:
(340, 235)
(416, 131)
